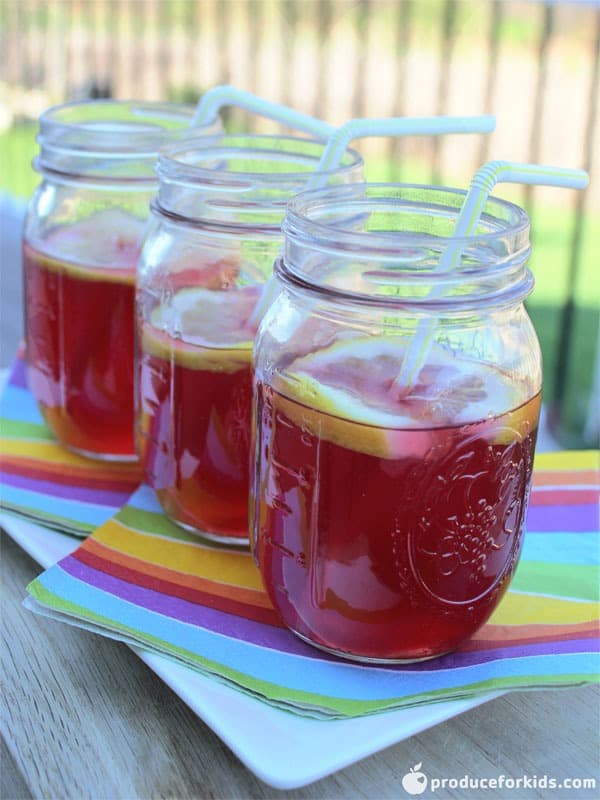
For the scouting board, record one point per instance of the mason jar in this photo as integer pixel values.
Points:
(82, 240)
(397, 392)
(202, 285)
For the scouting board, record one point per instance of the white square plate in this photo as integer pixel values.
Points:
(284, 750)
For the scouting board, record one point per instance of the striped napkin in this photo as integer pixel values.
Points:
(41, 481)
(142, 580)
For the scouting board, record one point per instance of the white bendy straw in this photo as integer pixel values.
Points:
(217, 98)
(394, 126)
(480, 187)
(361, 128)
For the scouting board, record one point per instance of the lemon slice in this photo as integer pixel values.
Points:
(345, 394)
(204, 329)
(102, 247)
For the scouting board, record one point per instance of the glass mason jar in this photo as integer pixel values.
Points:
(81, 244)
(387, 513)
(216, 233)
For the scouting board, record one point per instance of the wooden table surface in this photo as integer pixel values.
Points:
(83, 717)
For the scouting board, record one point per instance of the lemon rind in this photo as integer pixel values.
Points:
(196, 356)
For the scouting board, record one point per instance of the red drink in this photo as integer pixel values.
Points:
(80, 333)
(381, 542)
(195, 398)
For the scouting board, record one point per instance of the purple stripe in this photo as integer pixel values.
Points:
(18, 376)
(558, 519)
(101, 497)
(458, 659)
(279, 639)
(191, 613)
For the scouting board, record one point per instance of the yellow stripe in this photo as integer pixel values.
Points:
(231, 567)
(522, 609)
(50, 452)
(568, 459)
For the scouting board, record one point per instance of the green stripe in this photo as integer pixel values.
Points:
(254, 686)
(293, 699)
(572, 580)
(151, 522)
(14, 429)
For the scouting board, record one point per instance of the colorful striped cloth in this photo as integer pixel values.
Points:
(43, 482)
(141, 579)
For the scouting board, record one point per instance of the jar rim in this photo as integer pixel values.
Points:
(114, 127)
(172, 166)
(418, 264)
(382, 243)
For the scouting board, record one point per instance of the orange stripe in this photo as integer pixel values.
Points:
(531, 633)
(128, 474)
(241, 594)
(580, 477)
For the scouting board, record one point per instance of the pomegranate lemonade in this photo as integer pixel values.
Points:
(387, 526)
(80, 335)
(195, 394)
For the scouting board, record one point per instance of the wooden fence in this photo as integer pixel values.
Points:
(534, 64)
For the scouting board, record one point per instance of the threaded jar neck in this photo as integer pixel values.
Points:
(108, 140)
(393, 245)
(243, 181)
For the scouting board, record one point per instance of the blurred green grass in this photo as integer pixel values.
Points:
(17, 150)
(552, 232)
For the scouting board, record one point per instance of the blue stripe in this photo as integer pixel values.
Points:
(49, 505)
(19, 404)
(332, 678)
(561, 548)
(144, 499)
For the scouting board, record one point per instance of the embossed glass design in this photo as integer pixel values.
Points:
(387, 519)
